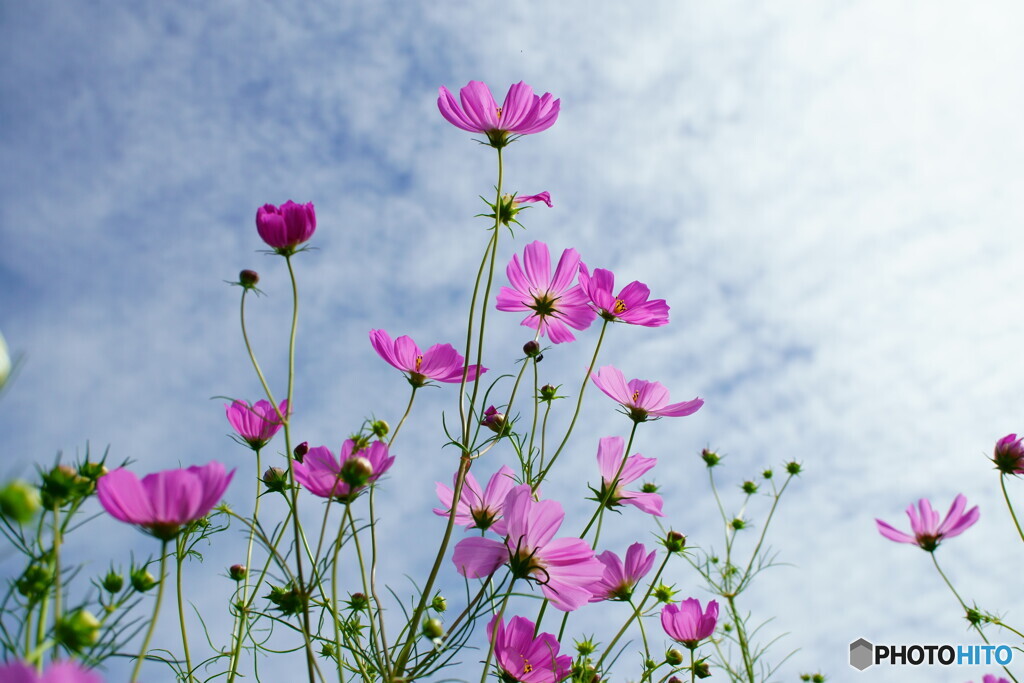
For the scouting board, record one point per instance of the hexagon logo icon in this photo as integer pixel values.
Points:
(861, 654)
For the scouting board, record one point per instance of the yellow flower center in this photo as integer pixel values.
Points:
(419, 362)
(619, 306)
(527, 667)
(499, 112)
(636, 396)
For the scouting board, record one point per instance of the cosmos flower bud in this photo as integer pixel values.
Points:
(288, 599)
(531, 348)
(703, 671)
(794, 468)
(380, 428)
(439, 604)
(674, 541)
(141, 579)
(356, 471)
(112, 582)
(78, 630)
(248, 279)
(547, 392)
(301, 450)
(674, 657)
(663, 593)
(358, 602)
(237, 572)
(1008, 455)
(35, 582)
(493, 420)
(433, 628)
(275, 478)
(710, 457)
(738, 523)
(327, 650)
(19, 501)
(767, 474)
(749, 488)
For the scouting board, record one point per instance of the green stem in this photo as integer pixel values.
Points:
(637, 611)
(382, 662)
(1009, 506)
(747, 576)
(252, 357)
(243, 615)
(741, 637)
(179, 557)
(579, 404)
(693, 665)
(156, 613)
(611, 487)
(57, 589)
(401, 422)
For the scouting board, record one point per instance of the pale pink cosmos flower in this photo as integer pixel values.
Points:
(687, 623)
(632, 305)
(285, 227)
(256, 424)
(163, 502)
(57, 672)
(924, 522)
(522, 113)
(441, 362)
(564, 567)
(609, 459)
(479, 509)
(620, 578)
(640, 398)
(523, 657)
(323, 475)
(555, 302)
(1008, 455)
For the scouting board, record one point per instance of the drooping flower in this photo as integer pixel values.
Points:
(163, 502)
(632, 305)
(478, 508)
(555, 302)
(640, 398)
(285, 227)
(620, 579)
(609, 459)
(510, 205)
(57, 672)
(530, 198)
(924, 522)
(687, 623)
(1009, 455)
(256, 424)
(522, 112)
(564, 567)
(323, 475)
(441, 362)
(523, 657)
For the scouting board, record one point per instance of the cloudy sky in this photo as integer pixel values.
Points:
(823, 192)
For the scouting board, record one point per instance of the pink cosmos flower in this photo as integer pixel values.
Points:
(1009, 455)
(631, 305)
(640, 397)
(521, 657)
(478, 508)
(992, 678)
(441, 362)
(924, 522)
(554, 301)
(163, 502)
(564, 567)
(687, 623)
(609, 459)
(58, 672)
(529, 198)
(521, 114)
(619, 580)
(323, 475)
(286, 227)
(258, 424)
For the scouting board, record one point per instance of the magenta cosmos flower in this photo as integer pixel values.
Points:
(58, 672)
(323, 475)
(924, 522)
(992, 678)
(564, 567)
(640, 398)
(555, 302)
(1009, 455)
(620, 578)
(441, 362)
(256, 424)
(609, 459)
(163, 502)
(632, 305)
(478, 508)
(522, 657)
(522, 112)
(687, 623)
(285, 227)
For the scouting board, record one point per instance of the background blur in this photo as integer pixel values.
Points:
(826, 194)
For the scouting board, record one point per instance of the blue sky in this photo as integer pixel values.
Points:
(825, 194)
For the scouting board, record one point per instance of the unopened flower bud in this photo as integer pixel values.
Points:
(674, 679)
(19, 501)
(674, 541)
(674, 657)
(141, 579)
(531, 349)
(493, 420)
(113, 582)
(547, 392)
(358, 602)
(433, 628)
(767, 474)
(749, 488)
(439, 604)
(710, 457)
(92, 470)
(356, 471)
(702, 669)
(300, 451)
(650, 664)
(585, 647)
(649, 487)
(738, 523)
(63, 484)
(380, 428)
(327, 650)
(35, 582)
(663, 593)
(276, 479)
(78, 630)
(248, 278)
(237, 572)
(794, 467)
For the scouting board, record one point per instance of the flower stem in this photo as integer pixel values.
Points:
(1009, 506)
(693, 665)
(611, 488)
(637, 611)
(57, 589)
(243, 618)
(401, 422)
(252, 356)
(156, 612)
(179, 557)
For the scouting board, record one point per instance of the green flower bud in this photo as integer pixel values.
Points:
(356, 471)
(674, 657)
(288, 599)
(113, 582)
(248, 279)
(794, 467)
(380, 428)
(749, 488)
(710, 457)
(674, 541)
(141, 579)
(663, 593)
(548, 393)
(767, 474)
(35, 582)
(433, 628)
(237, 572)
(276, 479)
(439, 604)
(358, 602)
(737, 524)
(701, 668)
(649, 487)
(19, 501)
(585, 647)
(78, 630)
